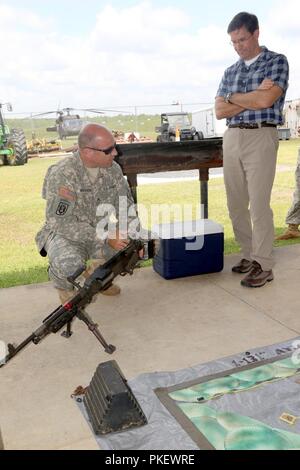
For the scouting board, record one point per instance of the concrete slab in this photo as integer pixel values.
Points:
(157, 325)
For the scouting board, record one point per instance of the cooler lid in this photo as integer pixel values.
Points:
(186, 229)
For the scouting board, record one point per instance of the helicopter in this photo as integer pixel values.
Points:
(67, 124)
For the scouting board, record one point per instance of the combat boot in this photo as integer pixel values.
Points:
(114, 289)
(292, 231)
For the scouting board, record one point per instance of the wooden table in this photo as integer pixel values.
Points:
(148, 157)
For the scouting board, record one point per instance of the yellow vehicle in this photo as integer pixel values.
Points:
(36, 146)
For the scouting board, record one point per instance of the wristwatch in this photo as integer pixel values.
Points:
(227, 97)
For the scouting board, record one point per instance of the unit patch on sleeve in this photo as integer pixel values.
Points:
(62, 208)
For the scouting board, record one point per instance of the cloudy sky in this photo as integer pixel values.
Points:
(95, 53)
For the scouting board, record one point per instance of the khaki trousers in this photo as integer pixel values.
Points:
(249, 159)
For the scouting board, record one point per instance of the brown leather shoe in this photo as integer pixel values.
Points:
(242, 266)
(114, 289)
(257, 277)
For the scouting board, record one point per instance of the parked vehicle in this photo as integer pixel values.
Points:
(284, 133)
(292, 117)
(177, 126)
(13, 148)
(205, 119)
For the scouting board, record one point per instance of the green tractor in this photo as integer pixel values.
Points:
(13, 148)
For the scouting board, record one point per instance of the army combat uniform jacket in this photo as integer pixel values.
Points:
(73, 200)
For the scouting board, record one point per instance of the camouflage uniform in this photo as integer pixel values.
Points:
(69, 233)
(293, 215)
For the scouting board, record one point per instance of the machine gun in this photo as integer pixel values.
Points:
(121, 263)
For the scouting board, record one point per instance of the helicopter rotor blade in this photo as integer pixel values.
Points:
(91, 110)
(43, 114)
(67, 110)
(103, 111)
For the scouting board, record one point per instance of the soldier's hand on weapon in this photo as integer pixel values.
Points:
(120, 242)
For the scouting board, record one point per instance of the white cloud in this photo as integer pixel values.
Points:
(138, 28)
(145, 54)
(284, 18)
(136, 55)
(20, 18)
(281, 32)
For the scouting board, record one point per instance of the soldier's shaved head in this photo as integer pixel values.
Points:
(97, 146)
(92, 134)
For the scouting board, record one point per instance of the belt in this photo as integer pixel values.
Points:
(252, 125)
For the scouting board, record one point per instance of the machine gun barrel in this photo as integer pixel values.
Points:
(121, 263)
(13, 350)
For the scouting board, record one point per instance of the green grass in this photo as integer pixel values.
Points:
(288, 151)
(22, 211)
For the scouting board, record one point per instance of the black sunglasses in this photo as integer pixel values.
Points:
(106, 151)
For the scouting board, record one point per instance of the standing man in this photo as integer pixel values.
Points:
(79, 190)
(251, 97)
(293, 216)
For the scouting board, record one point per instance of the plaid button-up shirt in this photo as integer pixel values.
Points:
(242, 79)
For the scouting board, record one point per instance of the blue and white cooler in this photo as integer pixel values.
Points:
(189, 248)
